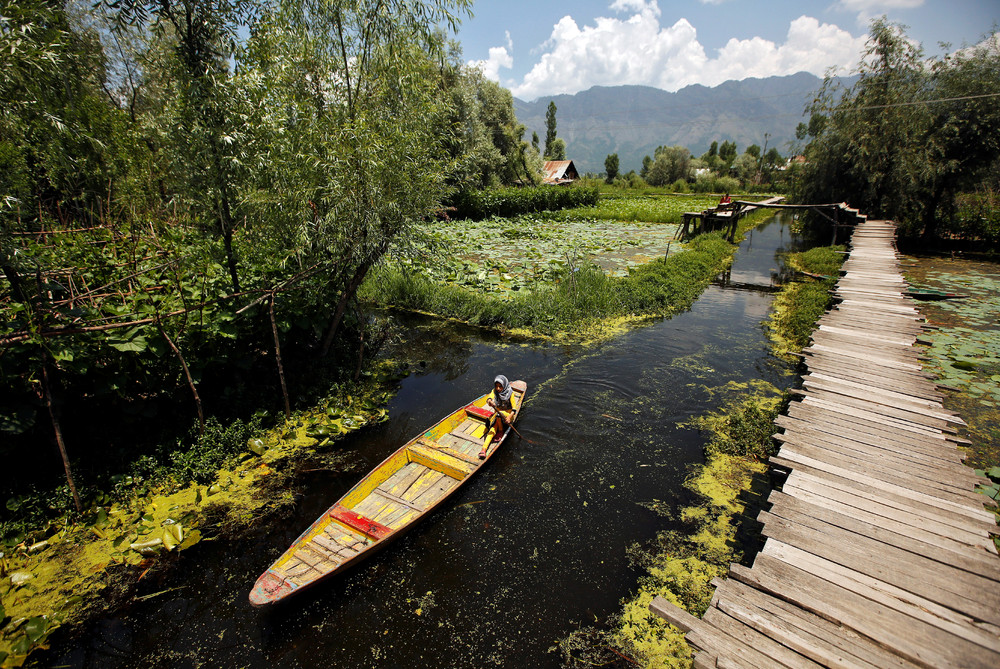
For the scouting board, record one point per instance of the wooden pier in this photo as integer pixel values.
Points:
(727, 216)
(878, 552)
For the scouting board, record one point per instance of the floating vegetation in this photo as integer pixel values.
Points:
(69, 574)
(800, 304)
(963, 351)
(501, 255)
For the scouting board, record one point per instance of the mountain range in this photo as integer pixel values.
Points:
(633, 120)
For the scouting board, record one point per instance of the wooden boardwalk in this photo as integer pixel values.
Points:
(878, 551)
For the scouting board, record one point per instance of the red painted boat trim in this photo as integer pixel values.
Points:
(270, 588)
(479, 412)
(362, 524)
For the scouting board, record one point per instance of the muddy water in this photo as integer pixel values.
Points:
(531, 549)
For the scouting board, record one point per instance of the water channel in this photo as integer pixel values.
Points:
(527, 552)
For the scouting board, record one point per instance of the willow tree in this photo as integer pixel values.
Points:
(908, 135)
(343, 100)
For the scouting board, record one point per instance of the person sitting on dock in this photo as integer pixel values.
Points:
(503, 408)
(725, 200)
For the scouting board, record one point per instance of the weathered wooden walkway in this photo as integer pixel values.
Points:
(878, 550)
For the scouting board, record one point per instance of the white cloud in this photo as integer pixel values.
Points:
(500, 56)
(638, 50)
(867, 9)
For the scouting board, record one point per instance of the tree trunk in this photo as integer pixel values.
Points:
(47, 390)
(225, 215)
(277, 357)
(349, 291)
(930, 221)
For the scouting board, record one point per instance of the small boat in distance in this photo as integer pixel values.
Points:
(404, 488)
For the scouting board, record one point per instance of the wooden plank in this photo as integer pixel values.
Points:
(819, 387)
(884, 495)
(720, 644)
(879, 592)
(398, 500)
(808, 426)
(459, 435)
(883, 469)
(750, 638)
(899, 473)
(673, 614)
(829, 644)
(431, 477)
(913, 414)
(436, 491)
(901, 536)
(946, 457)
(961, 509)
(915, 640)
(918, 524)
(960, 591)
(441, 462)
(410, 473)
(447, 449)
(929, 442)
(359, 522)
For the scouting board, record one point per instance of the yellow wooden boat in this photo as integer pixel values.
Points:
(407, 486)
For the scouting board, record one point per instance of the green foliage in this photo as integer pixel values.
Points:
(611, 167)
(507, 202)
(666, 284)
(550, 130)
(670, 163)
(712, 183)
(909, 136)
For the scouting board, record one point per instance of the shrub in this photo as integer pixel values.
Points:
(508, 202)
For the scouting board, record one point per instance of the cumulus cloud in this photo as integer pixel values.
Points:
(500, 56)
(638, 50)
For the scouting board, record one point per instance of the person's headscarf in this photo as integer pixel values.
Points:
(505, 389)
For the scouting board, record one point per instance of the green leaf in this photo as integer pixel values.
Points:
(35, 628)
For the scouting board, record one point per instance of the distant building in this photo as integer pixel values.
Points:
(795, 160)
(559, 173)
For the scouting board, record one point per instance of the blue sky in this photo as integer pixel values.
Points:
(539, 47)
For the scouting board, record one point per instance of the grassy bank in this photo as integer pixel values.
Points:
(67, 569)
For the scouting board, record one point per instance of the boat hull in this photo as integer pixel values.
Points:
(406, 487)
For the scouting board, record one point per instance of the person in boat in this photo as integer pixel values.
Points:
(500, 401)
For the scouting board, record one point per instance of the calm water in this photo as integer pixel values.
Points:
(531, 549)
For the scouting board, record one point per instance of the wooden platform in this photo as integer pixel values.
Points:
(878, 550)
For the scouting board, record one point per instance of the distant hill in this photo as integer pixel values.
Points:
(633, 120)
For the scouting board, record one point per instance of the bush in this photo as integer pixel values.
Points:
(978, 217)
(681, 186)
(509, 202)
(713, 183)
